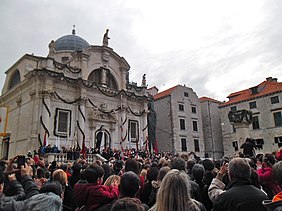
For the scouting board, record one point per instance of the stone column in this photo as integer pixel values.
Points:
(82, 64)
(123, 78)
(144, 133)
(104, 77)
(242, 132)
(45, 116)
(241, 120)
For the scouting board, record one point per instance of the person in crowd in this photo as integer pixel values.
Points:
(278, 154)
(32, 193)
(174, 194)
(156, 185)
(133, 165)
(217, 187)
(127, 204)
(129, 186)
(14, 184)
(239, 173)
(93, 194)
(190, 164)
(53, 167)
(65, 168)
(40, 179)
(249, 147)
(276, 203)
(254, 175)
(265, 175)
(49, 199)
(107, 170)
(210, 173)
(112, 180)
(179, 164)
(198, 172)
(147, 187)
(75, 177)
(118, 166)
(68, 193)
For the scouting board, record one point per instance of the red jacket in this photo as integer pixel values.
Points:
(266, 178)
(278, 155)
(93, 196)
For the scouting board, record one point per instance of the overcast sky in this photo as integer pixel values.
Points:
(213, 46)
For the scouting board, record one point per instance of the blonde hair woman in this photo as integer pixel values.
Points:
(60, 176)
(113, 180)
(174, 194)
(68, 194)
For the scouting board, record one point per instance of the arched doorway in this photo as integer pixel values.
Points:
(102, 139)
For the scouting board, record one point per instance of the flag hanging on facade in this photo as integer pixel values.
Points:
(3, 120)
(83, 150)
(152, 118)
(45, 141)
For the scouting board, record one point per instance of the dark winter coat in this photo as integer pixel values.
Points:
(12, 203)
(240, 195)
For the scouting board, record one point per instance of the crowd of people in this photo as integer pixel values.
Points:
(131, 182)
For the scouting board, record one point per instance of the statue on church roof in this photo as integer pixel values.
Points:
(52, 47)
(144, 80)
(106, 38)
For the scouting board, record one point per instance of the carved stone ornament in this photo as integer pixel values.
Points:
(240, 116)
(101, 116)
(19, 101)
(83, 101)
(32, 94)
(106, 56)
(46, 93)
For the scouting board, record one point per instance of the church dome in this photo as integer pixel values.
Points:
(71, 43)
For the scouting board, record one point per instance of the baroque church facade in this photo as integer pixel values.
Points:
(79, 95)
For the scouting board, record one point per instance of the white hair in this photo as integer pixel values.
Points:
(44, 202)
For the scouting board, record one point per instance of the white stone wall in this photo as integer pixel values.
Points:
(164, 124)
(26, 106)
(212, 129)
(267, 130)
(169, 116)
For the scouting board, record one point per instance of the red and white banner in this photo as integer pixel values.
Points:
(3, 120)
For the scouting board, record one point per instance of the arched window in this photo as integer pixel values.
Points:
(111, 81)
(96, 76)
(15, 79)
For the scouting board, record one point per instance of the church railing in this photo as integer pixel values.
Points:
(72, 157)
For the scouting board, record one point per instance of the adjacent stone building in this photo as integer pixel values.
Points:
(265, 102)
(211, 128)
(179, 121)
(79, 94)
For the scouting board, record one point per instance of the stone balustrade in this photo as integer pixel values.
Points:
(65, 157)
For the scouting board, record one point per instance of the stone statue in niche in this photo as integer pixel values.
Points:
(106, 38)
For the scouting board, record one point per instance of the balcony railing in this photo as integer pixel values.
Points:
(72, 157)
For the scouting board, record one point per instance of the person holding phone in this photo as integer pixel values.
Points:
(25, 188)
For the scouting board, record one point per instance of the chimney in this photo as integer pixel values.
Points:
(271, 79)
